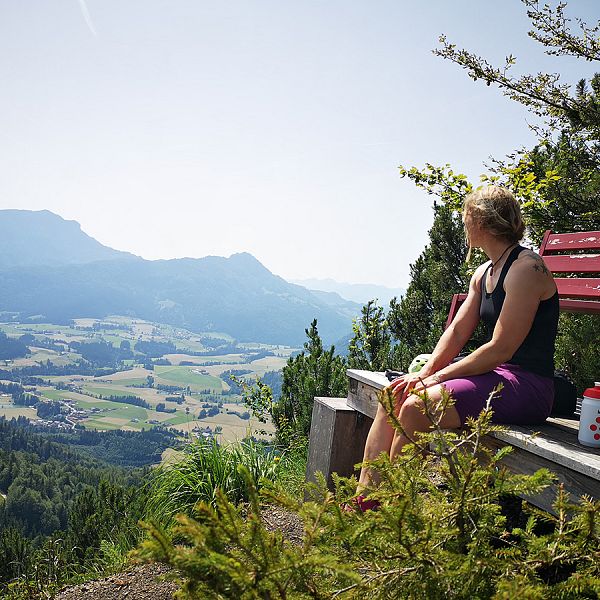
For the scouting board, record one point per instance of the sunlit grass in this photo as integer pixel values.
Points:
(207, 466)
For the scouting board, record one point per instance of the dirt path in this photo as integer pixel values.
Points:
(142, 582)
(146, 582)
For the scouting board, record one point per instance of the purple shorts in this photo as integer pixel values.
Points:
(525, 399)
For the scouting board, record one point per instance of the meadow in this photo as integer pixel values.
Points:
(198, 381)
(188, 377)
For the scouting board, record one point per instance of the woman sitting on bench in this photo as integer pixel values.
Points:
(515, 296)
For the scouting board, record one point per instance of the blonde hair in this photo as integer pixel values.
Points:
(496, 210)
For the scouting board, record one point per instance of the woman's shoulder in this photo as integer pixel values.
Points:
(478, 275)
(529, 260)
(530, 271)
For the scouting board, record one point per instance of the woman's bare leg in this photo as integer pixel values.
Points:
(414, 420)
(384, 438)
(379, 440)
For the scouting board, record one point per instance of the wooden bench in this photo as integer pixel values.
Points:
(340, 426)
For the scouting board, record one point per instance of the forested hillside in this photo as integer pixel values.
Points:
(69, 486)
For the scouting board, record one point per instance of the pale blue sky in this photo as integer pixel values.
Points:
(174, 128)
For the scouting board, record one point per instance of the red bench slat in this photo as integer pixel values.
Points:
(573, 263)
(457, 301)
(579, 288)
(587, 307)
(557, 242)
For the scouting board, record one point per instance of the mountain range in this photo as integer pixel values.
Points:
(355, 292)
(51, 270)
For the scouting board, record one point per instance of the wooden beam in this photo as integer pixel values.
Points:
(337, 439)
(555, 444)
(362, 390)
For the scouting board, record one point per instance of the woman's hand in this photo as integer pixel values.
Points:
(403, 386)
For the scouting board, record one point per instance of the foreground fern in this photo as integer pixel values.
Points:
(440, 533)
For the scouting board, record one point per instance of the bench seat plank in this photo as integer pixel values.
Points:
(566, 424)
(555, 445)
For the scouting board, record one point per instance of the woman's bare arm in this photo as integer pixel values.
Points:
(457, 334)
(525, 285)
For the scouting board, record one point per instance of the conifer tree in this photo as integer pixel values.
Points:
(313, 372)
(371, 346)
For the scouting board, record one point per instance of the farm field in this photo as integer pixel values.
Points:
(136, 373)
(229, 359)
(187, 376)
(42, 355)
(13, 412)
(192, 388)
(53, 394)
(107, 391)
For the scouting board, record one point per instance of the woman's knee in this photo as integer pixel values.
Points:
(413, 415)
(410, 408)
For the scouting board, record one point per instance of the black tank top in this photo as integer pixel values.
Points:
(536, 353)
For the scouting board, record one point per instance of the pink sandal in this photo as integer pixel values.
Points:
(361, 503)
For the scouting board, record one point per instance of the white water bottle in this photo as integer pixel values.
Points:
(589, 421)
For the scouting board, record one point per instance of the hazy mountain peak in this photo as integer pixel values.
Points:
(51, 269)
(245, 258)
(43, 238)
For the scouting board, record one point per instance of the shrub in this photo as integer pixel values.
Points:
(439, 533)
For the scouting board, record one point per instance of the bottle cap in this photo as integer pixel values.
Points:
(593, 392)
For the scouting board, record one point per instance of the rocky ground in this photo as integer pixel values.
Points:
(151, 582)
(141, 582)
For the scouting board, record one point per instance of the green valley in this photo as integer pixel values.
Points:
(129, 374)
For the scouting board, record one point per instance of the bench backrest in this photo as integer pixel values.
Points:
(574, 259)
(574, 254)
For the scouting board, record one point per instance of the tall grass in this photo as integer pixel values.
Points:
(291, 469)
(208, 467)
